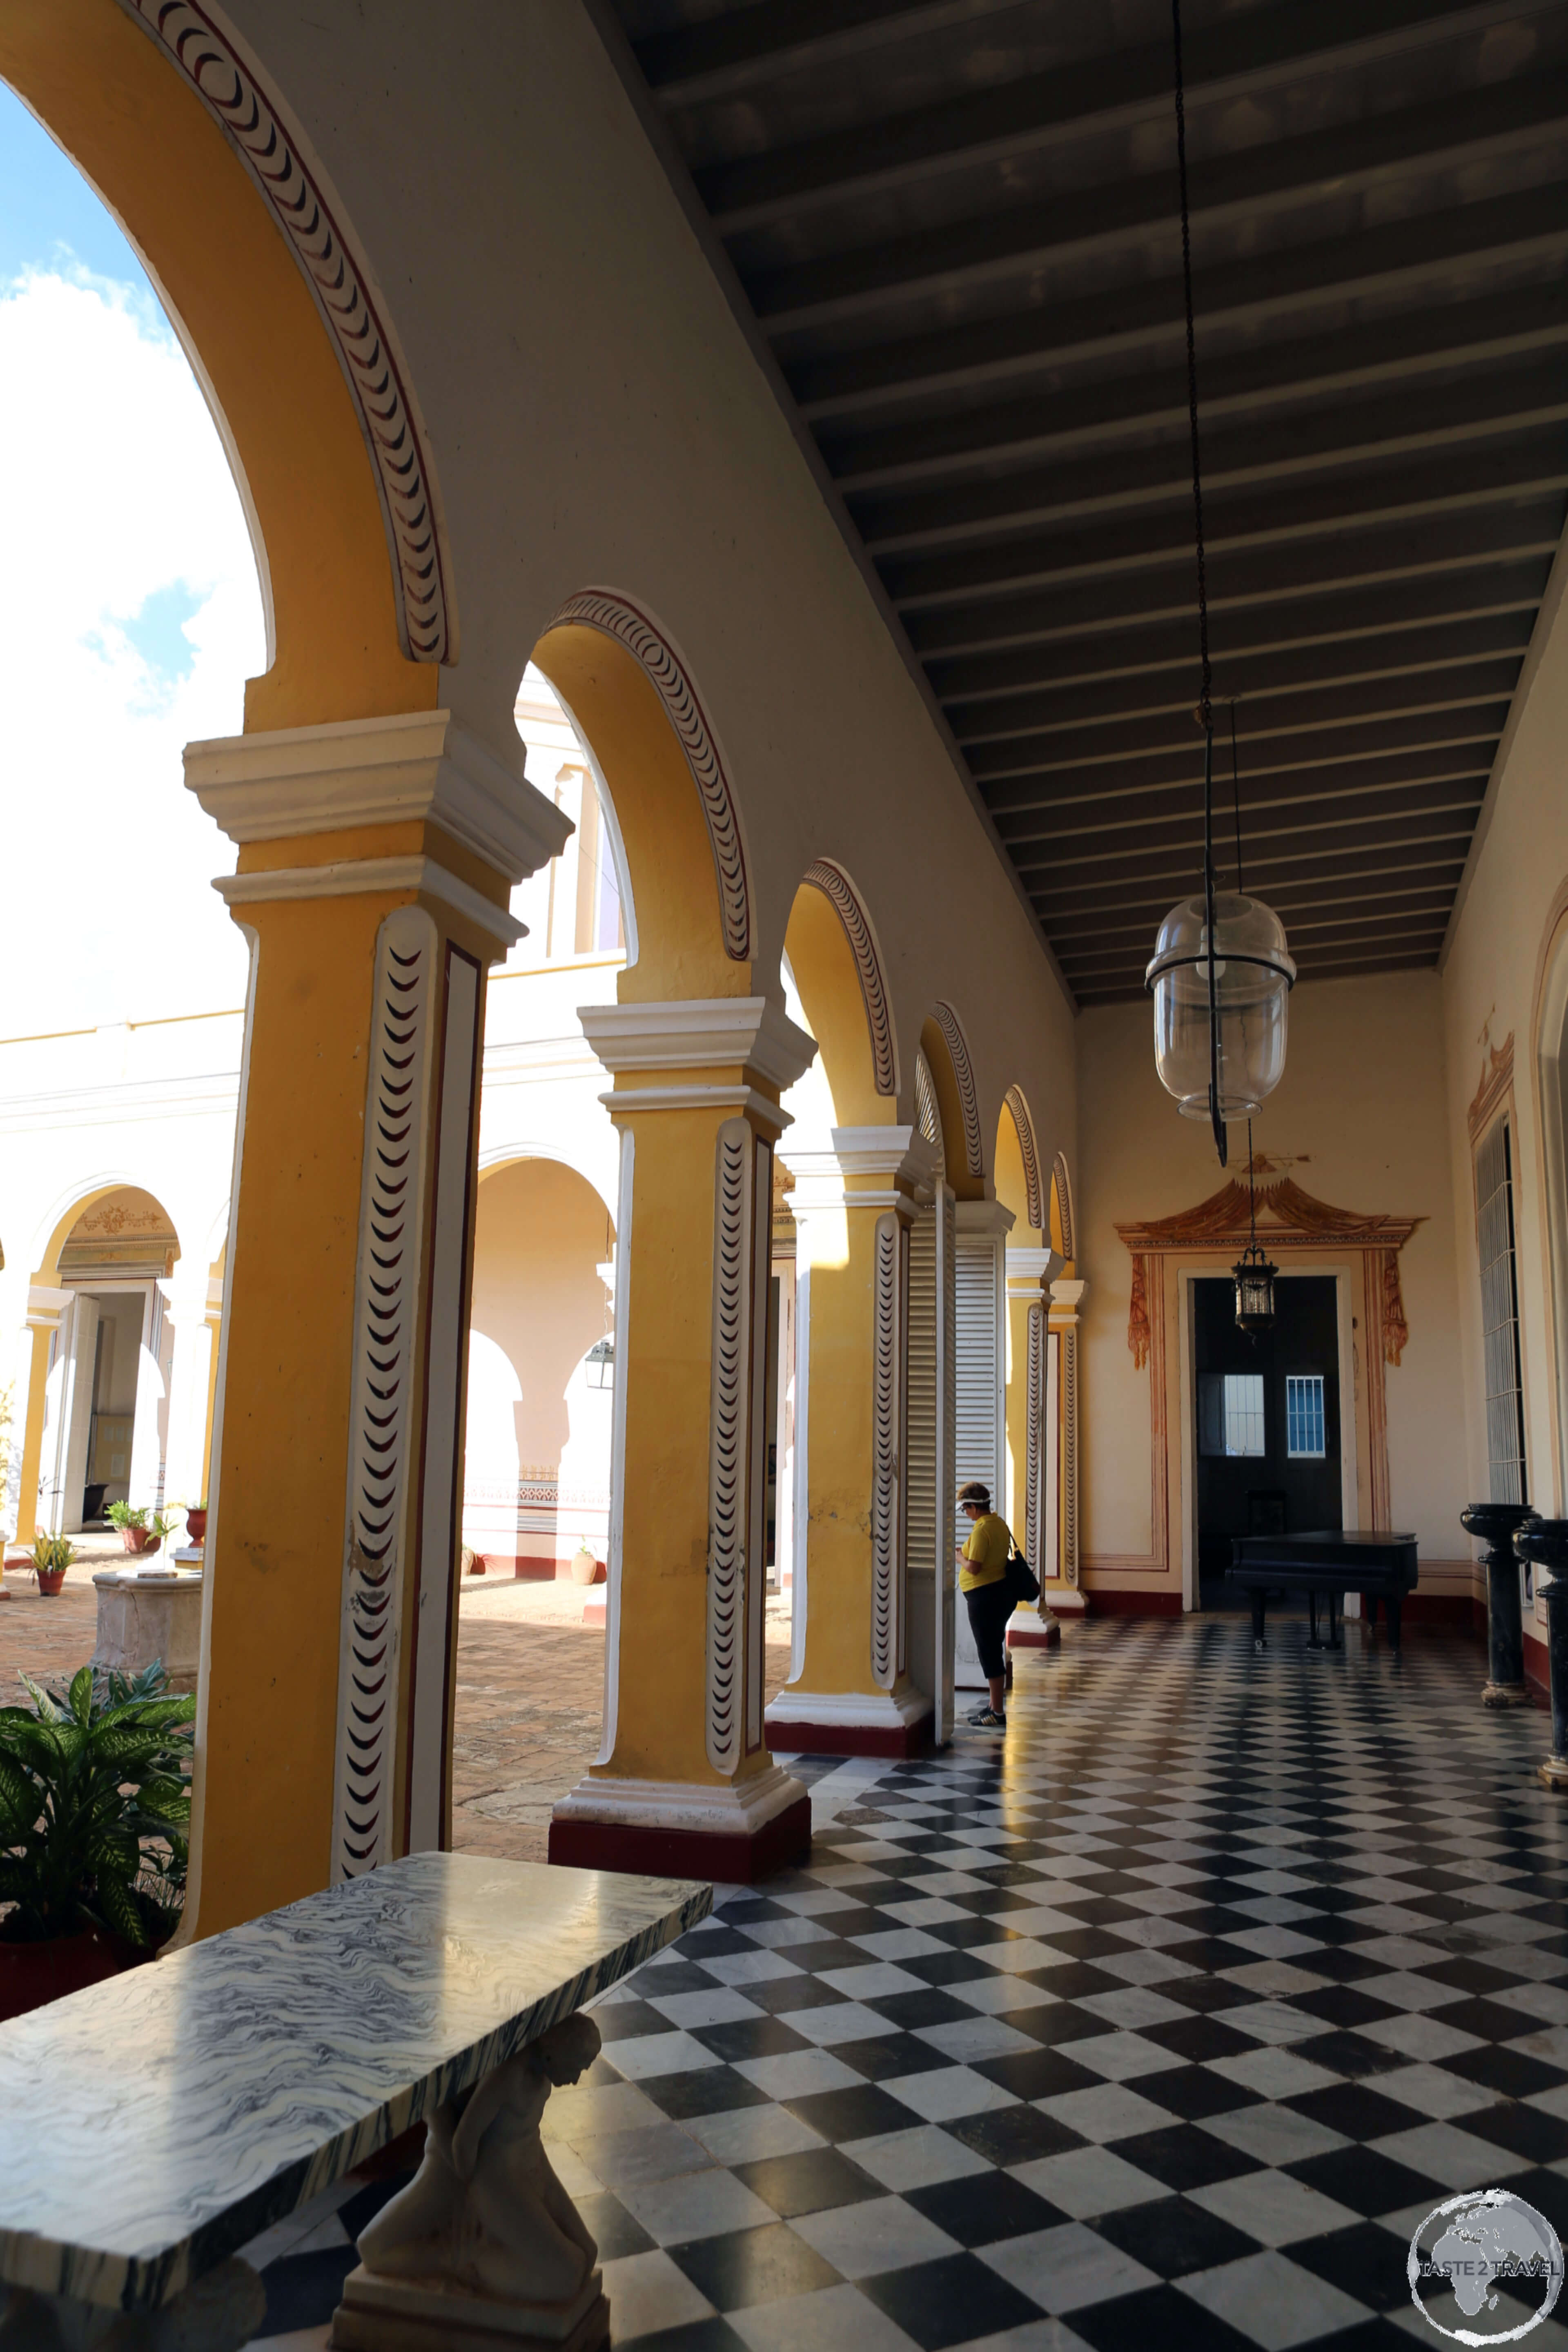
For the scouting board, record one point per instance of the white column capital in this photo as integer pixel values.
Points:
(1066, 1299)
(1030, 1270)
(188, 1302)
(44, 1307)
(685, 1043)
(983, 1217)
(831, 1175)
(417, 766)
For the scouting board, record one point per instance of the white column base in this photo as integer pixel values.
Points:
(849, 1723)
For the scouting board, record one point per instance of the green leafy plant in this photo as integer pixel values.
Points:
(94, 1807)
(161, 1526)
(121, 1515)
(52, 1551)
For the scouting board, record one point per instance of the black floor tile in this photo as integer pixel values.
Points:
(1350, 2054)
(949, 2302)
(780, 1995)
(1208, 1996)
(1157, 2319)
(622, 2019)
(1014, 2134)
(1037, 2073)
(1196, 2093)
(1528, 2134)
(1364, 2179)
(1490, 2019)
(304, 2290)
(1183, 2157)
(1343, 2005)
(851, 2115)
(887, 2055)
(808, 2181)
(746, 2266)
(984, 2208)
(1515, 2073)
(946, 1968)
(1356, 2109)
(1173, 2237)
(612, 2228)
(913, 2009)
(702, 2091)
(747, 2037)
(1197, 2039)
(1367, 2262)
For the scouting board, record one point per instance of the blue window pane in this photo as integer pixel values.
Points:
(1304, 1415)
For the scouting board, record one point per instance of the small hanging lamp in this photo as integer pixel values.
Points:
(1253, 1273)
(1221, 973)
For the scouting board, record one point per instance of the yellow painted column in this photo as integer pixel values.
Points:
(1063, 1591)
(850, 1693)
(376, 860)
(1028, 1272)
(683, 1782)
(28, 1405)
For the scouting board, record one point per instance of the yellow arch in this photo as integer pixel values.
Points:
(682, 950)
(965, 1184)
(236, 295)
(834, 1002)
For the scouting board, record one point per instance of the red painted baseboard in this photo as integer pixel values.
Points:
(1047, 1638)
(1457, 1608)
(848, 1739)
(685, 1853)
(1124, 1602)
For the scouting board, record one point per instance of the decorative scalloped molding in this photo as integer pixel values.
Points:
(381, 1443)
(1033, 1199)
(207, 62)
(616, 616)
(728, 1446)
(928, 1110)
(1063, 1183)
(1035, 1411)
(835, 886)
(957, 1043)
(887, 1449)
(1070, 1457)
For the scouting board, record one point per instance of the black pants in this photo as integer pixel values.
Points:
(990, 1606)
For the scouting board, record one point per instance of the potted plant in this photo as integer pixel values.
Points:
(585, 1566)
(135, 1532)
(196, 1522)
(94, 1806)
(52, 1555)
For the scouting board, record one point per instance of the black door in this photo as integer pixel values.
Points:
(1267, 1421)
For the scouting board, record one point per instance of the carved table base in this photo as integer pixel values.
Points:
(484, 2251)
(378, 2315)
(1505, 1694)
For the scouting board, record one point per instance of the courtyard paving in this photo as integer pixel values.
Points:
(530, 1699)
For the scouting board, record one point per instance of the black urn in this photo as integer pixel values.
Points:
(1544, 1543)
(1494, 1524)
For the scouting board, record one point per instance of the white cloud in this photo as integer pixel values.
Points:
(120, 491)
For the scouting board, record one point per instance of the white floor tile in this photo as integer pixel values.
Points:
(696, 2205)
(1273, 2208)
(1084, 2181)
(1272, 2300)
(942, 2093)
(647, 2291)
(969, 2038)
(645, 2054)
(882, 2233)
(722, 2006)
(915, 2158)
(834, 2319)
(1273, 2135)
(1106, 2111)
(746, 2135)
(797, 2074)
(1066, 2268)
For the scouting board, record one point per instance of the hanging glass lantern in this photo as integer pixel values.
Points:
(1254, 1291)
(1253, 977)
(1221, 973)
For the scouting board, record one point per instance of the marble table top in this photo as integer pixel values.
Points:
(155, 2123)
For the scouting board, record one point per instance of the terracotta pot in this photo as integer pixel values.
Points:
(195, 1526)
(585, 1569)
(138, 1540)
(32, 1974)
(50, 1580)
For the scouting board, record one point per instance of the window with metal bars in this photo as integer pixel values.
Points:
(1499, 1315)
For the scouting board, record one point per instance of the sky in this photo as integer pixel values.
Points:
(130, 616)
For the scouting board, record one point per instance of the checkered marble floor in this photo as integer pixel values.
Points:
(1159, 2024)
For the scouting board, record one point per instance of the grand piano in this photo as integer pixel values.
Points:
(1333, 1563)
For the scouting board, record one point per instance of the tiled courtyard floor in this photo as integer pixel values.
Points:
(1155, 2027)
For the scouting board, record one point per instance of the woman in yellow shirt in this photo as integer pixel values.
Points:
(983, 1580)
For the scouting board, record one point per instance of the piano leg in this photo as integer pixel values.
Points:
(1335, 1643)
(1257, 1640)
(1392, 1603)
(1369, 1608)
